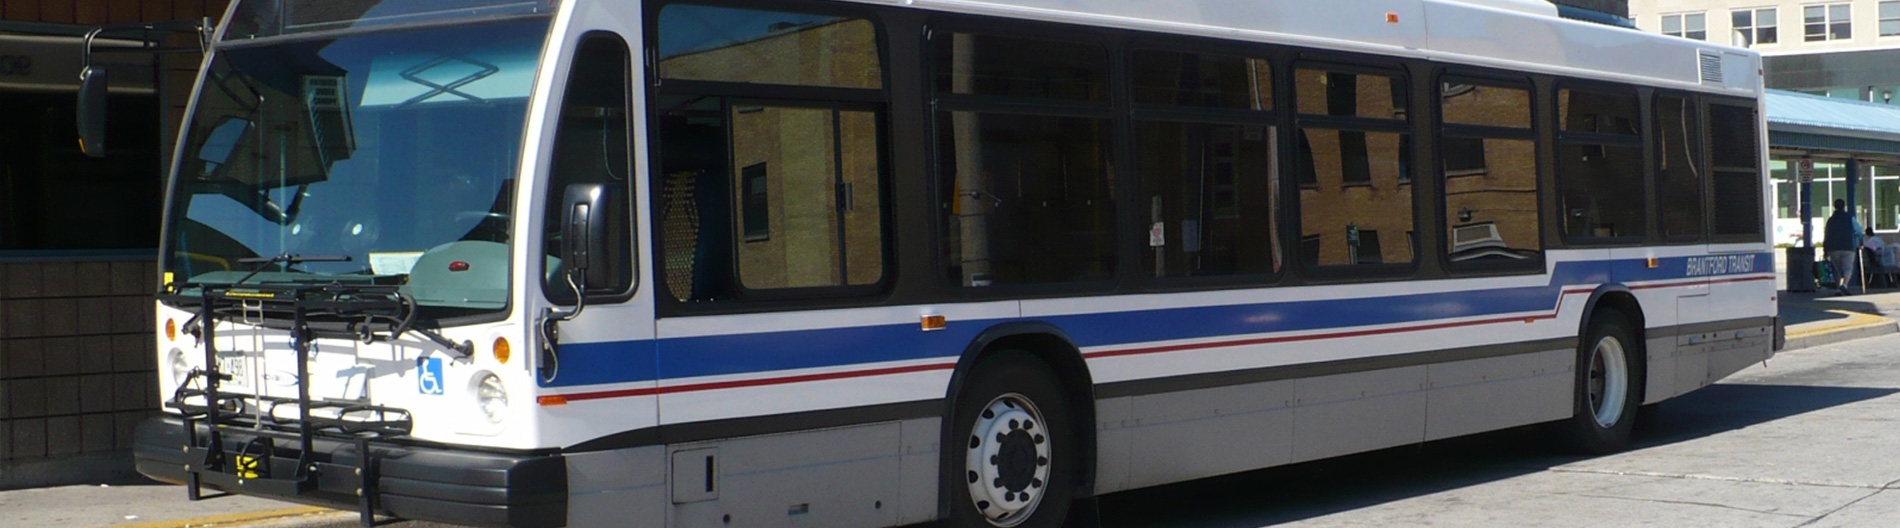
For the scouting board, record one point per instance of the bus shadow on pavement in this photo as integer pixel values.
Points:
(1316, 489)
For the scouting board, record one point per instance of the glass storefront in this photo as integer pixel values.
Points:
(1878, 196)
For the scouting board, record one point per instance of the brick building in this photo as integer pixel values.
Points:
(78, 235)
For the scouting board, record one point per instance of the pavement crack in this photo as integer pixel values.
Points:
(1825, 514)
(1718, 478)
(1691, 503)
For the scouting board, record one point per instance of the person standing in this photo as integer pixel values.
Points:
(1843, 239)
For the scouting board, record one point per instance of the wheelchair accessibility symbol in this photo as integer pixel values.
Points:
(429, 378)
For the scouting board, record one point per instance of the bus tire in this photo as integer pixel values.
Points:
(1012, 461)
(1607, 392)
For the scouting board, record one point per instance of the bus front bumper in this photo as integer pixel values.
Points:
(410, 482)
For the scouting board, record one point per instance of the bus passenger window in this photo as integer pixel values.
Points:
(1600, 165)
(810, 180)
(1736, 157)
(1209, 187)
(1211, 190)
(1681, 171)
(1355, 168)
(726, 44)
(591, 146)
(787, 196)
(1030, 198)
(1489, 170)
(1359, 189)
(1026, 194)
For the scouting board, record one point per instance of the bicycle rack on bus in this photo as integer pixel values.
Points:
(363, 312)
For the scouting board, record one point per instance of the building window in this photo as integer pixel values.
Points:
(1757, 25)
(1889, 19)
(1827, 22)
(1686, 25)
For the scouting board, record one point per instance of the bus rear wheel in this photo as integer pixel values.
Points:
(1013, 450)
(1609, 379)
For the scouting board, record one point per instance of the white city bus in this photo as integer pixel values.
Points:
(874, 263)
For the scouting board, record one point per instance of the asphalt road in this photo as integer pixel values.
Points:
(1809, 440)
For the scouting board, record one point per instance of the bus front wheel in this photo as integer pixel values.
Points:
(1013, 451)
(1609, 379)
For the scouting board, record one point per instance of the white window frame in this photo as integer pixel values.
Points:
(1828, 22)
(1755, 23)
(1683, 26)
(1882, 18)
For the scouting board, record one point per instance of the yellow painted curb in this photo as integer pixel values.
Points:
(1855, 320)
(232, 519)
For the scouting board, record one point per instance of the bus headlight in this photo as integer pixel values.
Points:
(492, 396)
(180, 368)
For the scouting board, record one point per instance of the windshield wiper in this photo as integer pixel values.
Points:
(286, 260)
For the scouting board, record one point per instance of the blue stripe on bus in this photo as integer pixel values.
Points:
(691, 357)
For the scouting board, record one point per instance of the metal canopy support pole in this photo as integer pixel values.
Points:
(1853, 187)
(1804, 192)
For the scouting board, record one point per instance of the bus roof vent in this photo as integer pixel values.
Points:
(1711, 65)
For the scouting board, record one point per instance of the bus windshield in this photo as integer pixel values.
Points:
(371, 156)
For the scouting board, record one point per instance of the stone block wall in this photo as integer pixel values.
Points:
(77, 364)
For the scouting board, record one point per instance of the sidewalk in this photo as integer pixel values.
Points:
(1819, 318)
(1811, 320)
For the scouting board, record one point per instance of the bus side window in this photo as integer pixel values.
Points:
(591, 146)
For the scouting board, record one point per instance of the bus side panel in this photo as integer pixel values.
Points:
(609, 488)
(1351, 413)
(838, 477)
(1196, 433)
(1488, 394)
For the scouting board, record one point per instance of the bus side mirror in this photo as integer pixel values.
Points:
(587, 232)
(92, 112)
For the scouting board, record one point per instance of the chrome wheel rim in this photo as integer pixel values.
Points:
(1608, 381)
(1008, 460)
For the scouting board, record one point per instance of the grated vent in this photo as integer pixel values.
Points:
(1711, 65)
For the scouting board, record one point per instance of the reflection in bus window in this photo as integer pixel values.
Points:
(1491, 198)
(706, 43)
(1489, 172)
(1734, 133)
(1338, 94)
(1030, 198)
(798, 204)
(1680, 172)
(1360, 188)
(1211, 81)
(1211, 189)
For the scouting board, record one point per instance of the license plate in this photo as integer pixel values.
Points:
(237, 368)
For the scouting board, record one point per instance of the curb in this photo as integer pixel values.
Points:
(285, 517)
(1857, 326)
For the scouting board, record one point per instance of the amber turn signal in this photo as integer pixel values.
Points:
(502, 350)
(171, 329)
